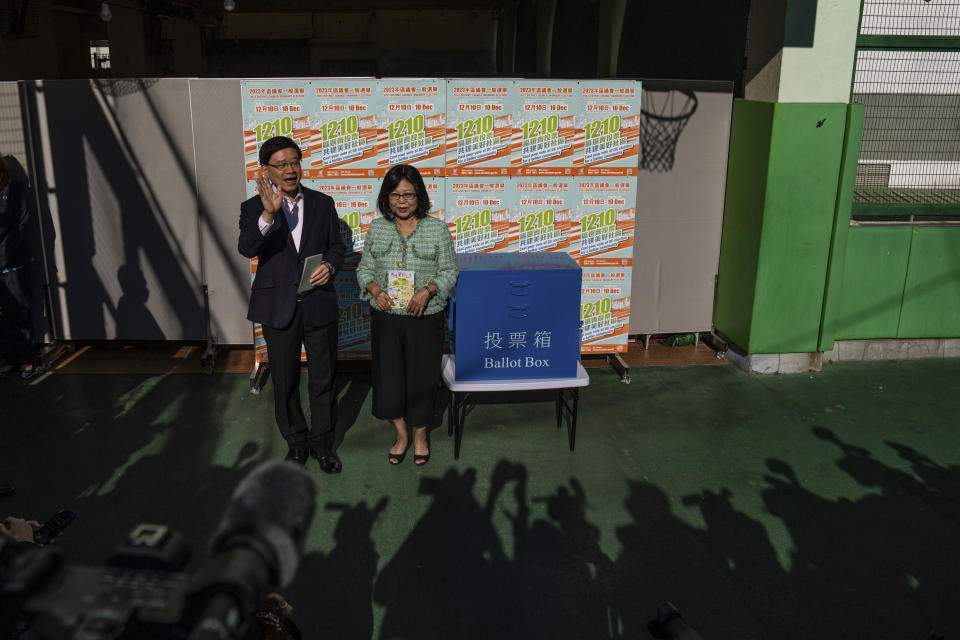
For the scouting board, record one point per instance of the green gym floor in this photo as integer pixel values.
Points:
(821, 505)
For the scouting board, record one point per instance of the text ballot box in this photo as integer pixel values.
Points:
(516, 316)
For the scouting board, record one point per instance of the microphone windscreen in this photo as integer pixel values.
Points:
(274, 505)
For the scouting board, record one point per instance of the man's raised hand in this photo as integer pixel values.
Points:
(269, 198)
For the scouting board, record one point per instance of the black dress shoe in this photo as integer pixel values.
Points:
(329, 462)
(298, 453)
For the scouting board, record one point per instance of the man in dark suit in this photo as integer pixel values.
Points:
(16, 319)
(283, 225)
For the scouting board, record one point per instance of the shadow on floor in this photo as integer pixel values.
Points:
(498, 548)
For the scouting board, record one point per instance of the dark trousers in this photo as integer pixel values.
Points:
(405, 373)
(283, 350)
(16, 321)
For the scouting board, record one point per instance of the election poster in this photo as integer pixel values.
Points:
(480, 127)
(608, 129)
(542, 213)
(601, 233)
(604, 310)
(273, 108)
(436, 189)
(478, 214)
(411, 128)
(356, 203)
(343, 116)
(546, 128)
(353, 320)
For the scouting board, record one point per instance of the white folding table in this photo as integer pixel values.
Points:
(567, 403)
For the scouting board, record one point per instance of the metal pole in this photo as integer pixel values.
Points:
(27, 115)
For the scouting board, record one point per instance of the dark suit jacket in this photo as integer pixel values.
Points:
(273, 296)
(14, 222)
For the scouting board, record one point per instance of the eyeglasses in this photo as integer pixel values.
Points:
(397, 197)
(282, 166)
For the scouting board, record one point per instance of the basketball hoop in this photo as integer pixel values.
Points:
(664, 115)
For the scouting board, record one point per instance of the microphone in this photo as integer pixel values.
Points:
(256, 548)
(270, 511)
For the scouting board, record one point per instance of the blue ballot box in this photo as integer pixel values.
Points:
(516, 316)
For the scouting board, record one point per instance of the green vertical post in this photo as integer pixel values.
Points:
(743, 209)
(779, 214)
(841, 225)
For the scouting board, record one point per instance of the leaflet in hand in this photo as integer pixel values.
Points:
(400, 287)
(309, 266)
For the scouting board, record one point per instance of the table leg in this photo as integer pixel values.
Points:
(461, 410)
(576, 407)
(451, 404)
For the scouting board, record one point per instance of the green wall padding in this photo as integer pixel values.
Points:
(782, 180)
(743, 208)
(873, 276)
(931, 297)
(841, 226)
(793, 275)
(801, 191)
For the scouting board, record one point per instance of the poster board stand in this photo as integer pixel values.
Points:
(515, 166)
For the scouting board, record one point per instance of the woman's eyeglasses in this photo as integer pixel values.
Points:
(397, 197)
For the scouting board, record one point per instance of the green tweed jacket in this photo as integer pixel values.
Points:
(428, 252)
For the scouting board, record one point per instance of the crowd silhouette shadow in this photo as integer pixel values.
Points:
(485, 558)
(875, 567)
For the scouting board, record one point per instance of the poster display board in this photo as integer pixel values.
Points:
(510, 166)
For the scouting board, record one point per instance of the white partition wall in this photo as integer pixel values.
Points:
(680, 213)
(119, 172)
(220, 189)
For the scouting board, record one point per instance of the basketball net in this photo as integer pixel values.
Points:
(663, 117)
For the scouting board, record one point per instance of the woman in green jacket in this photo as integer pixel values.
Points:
(407, 270)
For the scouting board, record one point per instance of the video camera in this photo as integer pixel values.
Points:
(142, 593)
